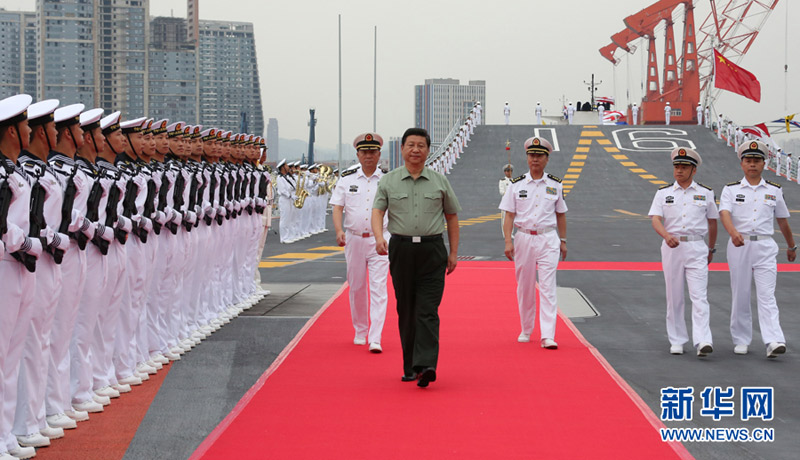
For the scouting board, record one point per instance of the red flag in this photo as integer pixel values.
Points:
(731, 77)
(763, 127)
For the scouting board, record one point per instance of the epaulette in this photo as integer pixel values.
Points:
(775, 184)
(349, 172)
(733, 183)
(666, 186)
(705, 186)
(555, 178)
(517, 179)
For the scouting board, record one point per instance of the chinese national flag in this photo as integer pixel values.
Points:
(731, 77)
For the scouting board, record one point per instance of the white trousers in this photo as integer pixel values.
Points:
(689, 262)
(125, 346)
(18, 287)
(755, 260)
(93, 302)
(366, 274)
(114, 301)
(29, 417)
(285, 205)
(537, 255)
(666, 118)
(506, 118)
(73, 276)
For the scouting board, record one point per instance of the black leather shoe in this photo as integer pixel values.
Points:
(408, 378)
(426, 376)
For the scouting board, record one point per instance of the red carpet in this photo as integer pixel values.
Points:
(495, 398)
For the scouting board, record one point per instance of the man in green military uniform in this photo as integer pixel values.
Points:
(419, 201)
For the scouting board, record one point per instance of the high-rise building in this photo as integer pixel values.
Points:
(12, 59)
(172, 81)
(273, 140)
(441, 102)
(29, 55)
(122, 55)
(66, 39)
(229, 84)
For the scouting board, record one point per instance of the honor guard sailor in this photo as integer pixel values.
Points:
(683, 213)
(534, 204)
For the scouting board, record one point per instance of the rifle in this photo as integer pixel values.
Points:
(211, 194)
(37, 223)
(150, 208)
(111, 208)
(128, 209)
(262, 191)
(66, 214)
(200, 192)
(247, 185)
(93, 214)
(232, 188)
(177, 199)
(5, 203)
(192, 199)
(223, 186)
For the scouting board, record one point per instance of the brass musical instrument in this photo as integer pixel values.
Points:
(302, 193)
(325, 173)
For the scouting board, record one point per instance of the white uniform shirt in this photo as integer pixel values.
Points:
(356, 192)
(503, 185)
(685, 212)
(535, 202)
(752, 208)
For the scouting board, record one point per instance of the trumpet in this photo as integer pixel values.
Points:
(302, 193)
(325, 172)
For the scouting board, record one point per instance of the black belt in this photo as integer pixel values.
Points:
(418, 239)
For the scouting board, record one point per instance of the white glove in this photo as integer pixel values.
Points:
(160, 217)
(222, 211)
(14, 238)
(61, 242)
(33, 246)
(191, 217)
(49, 236)
(104, 232)
(77, 221)
(123, 223)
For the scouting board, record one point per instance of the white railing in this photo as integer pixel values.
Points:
(447, 140)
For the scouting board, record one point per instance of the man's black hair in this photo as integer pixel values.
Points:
(416, 132)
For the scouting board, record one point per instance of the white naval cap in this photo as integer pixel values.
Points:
(175, 129)
(90, 119)
(684, 156)
(41, 112)
(208, 134)
(14, 109)
(368, 141)
(197, 131)
(69, 115)
(667, 102)
(538, 145)
(281, 163)
(110, 123)
(132, 126)
(160, 126)
(753, 149)
(508, 167)
(147, 126)
(303, 166)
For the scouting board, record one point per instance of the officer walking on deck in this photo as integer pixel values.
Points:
(418, 201)
(538, 113)
(682, 214)
(635, 114)
(747, 208)
(699, 114)
(570, 113)
(508, 171)
(667, 113)
(601, 110)
(507, 112)
(707, 117)
(366, 269)
(534, 204)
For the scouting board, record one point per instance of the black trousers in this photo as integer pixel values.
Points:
(418, 271)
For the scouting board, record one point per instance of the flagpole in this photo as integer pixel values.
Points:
(340, 95)
(786, 64)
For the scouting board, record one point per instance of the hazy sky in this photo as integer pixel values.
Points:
(526, 50)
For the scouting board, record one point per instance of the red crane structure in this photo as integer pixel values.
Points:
(731, 29)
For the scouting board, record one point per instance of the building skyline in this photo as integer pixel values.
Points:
(112, 54)
(273, 137)
(441, 102)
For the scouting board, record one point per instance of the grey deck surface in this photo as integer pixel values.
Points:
(629, 332)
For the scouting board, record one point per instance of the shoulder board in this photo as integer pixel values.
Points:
(555, 178)
(733, 183)
(517, 179)
(665, 186)
(774, 184)
(349, 172)
(705, 186)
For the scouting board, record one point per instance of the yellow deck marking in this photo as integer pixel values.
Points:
(570, 181)
(574, 170)
(299, 255)
(660, 182)
(592, 134)
(637, 170)
(571, 176)
(583, 163)
(327, 248)
(590, 126)
(628, 163)
(603, 141)
(620, 157)
(584, 142)
(579, 157)
(273, 264)
(622, 211)
(647, 176)
(582, 149)
(612, 149)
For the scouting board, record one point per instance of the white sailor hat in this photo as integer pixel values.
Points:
(110, 123)
(684, 156)
(208, 134)
(368, 141)
(752, 149)
(175, 129)
(90, 119)
(508, 168)
(538, 103)
(667, 102)
(42, 112)
(14, 109)
(226, 136)
(197, 131)
(303, 166)
(187, 131)
(132, 126)
(538, 145)
(68, 116)
(281, 163)
(147, 126)
(159, 127)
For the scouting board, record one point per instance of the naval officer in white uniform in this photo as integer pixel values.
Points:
(507, 112)
(682, 214)
(534, 203)
(367, 270)
(747, 208)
